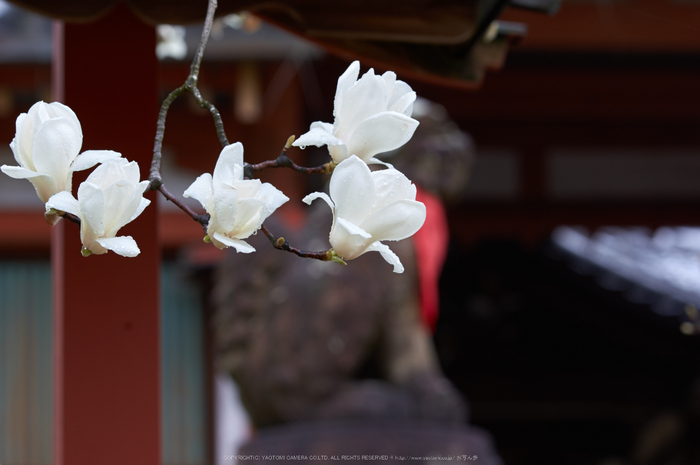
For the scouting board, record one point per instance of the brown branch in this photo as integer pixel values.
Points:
(71, 217)
(216, 116)
(154, 175)
(202, 219)
(280, 243)
(283, 161)
(190, 86)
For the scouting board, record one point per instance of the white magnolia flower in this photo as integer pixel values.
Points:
(237, 206)
(372, 115)
(46, 146)
(110, 197)
(369, 207)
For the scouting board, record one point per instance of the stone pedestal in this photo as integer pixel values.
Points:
(369, 441)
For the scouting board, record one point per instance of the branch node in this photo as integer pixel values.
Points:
(283, 161)
(156, 182)
(247, 170)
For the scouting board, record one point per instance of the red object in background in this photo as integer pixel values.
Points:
(107, 307)
(431, 243)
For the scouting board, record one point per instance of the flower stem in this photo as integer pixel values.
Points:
(280, 243)
(201, 219)
(283, 161)
(71, 217)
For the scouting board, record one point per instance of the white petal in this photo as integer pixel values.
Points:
(29, 124)
(377, 161)
(229, 166)
(122, 245)
(131, 209)
(381, 133)
(65, 202)
(390, 79)
(52, 217)
(54, 147)
(345, 81)
(201, 190)
(367, 97)
(388, 255)
(353, 229)
(112, 170)
(328, 127)
(21, 144)
(272, 199)
(348, 240)
(352, 189)
(400, 97)
(90, 158)
(143, 203)
(44, 184)
(248, 188)
(338, 152)
(59, 110)
(225, 208)
(239, 245)
(248, 218)
(391, 185)
(129, 171)
(396, 221)
(317, 136)
(404, 104)
(91, 201)
(116, 198)
(318, 195)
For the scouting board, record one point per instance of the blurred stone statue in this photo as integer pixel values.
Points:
(330, 353)
(306, 339)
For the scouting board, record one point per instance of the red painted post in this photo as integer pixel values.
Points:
(106, 307)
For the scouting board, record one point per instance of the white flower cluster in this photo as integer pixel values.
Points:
(372, 115)
(237, 206)
(47, 146)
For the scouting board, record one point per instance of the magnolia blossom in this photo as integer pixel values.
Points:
(369, 207)
(372, 115)
(237, 207)
(110, 197)
(46, 146)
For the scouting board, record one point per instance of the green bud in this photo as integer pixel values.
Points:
(86, 252)
(329, 167)
(207, 239)
(332, 256)
(290, 141)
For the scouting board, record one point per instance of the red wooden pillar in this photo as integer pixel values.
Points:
(106, 307)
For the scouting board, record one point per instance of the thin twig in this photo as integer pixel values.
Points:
(154, 175)
(281, 244)
(71, 217)
(283, 161)
(218, 122)
(190, 86)
(199, 54)
(202, 219)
